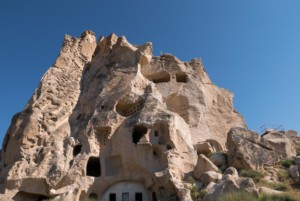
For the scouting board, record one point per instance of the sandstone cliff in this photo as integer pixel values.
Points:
(107, 118)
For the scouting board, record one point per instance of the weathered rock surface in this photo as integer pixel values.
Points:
(208, 147)
(293, 171)
(210, 176)
(230, 182)
(281, 143)
(107, 118)
(247, 150)
(203, 165)
(218, 159)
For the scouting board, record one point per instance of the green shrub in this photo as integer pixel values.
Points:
(237, 196)
(197, 194)
(255, 175)
(191, 180)
(287, 162)
(283, 175)
(281, 197)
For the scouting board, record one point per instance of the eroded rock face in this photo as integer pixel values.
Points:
(109, 115)
(282, 144)
(247, 150)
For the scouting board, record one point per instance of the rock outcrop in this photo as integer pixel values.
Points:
(282, 144)
(248, 150)
(231, 182)
(109, 120)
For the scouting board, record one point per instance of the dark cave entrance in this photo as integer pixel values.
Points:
(138, 133)
(93, 167)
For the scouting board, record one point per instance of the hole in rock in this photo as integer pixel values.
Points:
(169, 147)
(43, 198)
(112, 197)
(138, 197)
(181, 77)
(138, 133)
(156, 153)
(160, 77)
(156, 133)
(21, 196)
(71, 163)
(77, 149)
(154, 196)
(126, 109)
(93, 167)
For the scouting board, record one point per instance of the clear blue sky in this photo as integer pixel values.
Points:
(250, 47)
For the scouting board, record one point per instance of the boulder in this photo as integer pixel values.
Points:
(291, 133)
(210, 176)
(247, 150)
(269, 191)
(203, 165)
(230, 183)
(232, 171)
(218, 159)
(293, 171)
(281, 143)
(210, 186)
(204, 148)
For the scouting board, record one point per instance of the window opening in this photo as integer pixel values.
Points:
(138, 197)
(112, 197)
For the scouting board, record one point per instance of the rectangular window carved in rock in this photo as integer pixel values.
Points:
(125, 196)
(138, 197)
(112, 197)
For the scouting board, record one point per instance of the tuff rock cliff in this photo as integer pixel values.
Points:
(110, 121)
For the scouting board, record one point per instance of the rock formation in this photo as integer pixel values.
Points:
(110, 121)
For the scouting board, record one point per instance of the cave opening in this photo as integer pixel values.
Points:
(77, 149)
(181, 77)
(138, 133)
(93, 167)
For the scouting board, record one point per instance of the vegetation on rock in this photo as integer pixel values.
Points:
(255, 175)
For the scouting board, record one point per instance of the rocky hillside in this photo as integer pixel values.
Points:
(109, 121)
